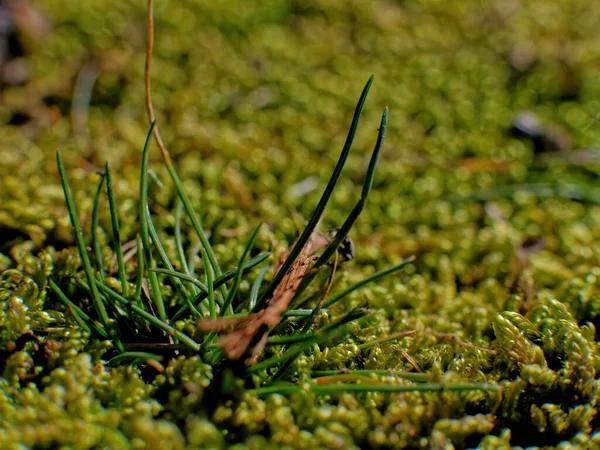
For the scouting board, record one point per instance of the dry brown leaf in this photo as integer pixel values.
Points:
(247, 329)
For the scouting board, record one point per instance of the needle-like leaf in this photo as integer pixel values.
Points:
(318, 212)
(107, 323)
(116, 232)
(144, 230)
(95, 241)
(238, 274)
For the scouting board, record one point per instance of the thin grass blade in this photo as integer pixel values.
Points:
(318, 212)
(256, 286)
(116, 232)
(329, 389)
(162, 254)
(140, 269)
(189, 210)
(95, 241)
(409, 376)
(152, 320)
(224, 278)
(85, 260)
(90, 324)
(323, 334)
(351, 219)
(134, 355)
(144, 229)
(179, 241)
(376, 276)
(167, 157)
(366, 190)
(182, 276)
(210, 287)
(238, 274)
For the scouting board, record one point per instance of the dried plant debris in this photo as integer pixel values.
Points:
(255, 327)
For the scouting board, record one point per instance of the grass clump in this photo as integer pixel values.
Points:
(212, 301)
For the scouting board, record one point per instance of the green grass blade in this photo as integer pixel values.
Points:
(293, 353)
(256, 286)
(192, 256)
(182, 276)
(80, 321)
(393, 337)
(314, 295)
(140, 269)
(366, 190)
(95, 242)
(318, 212)
(320, 336)
(376, 276)
(134, 355)
(288, 313)
(288, 356)
(189, 210)
(350, 316)
(328, 389)
(167, 158)
(85, 260)
(162, 254)
(156, 292)
(144, 231)
(152, 320)
(224, 278)
(298, 313)
(210, 287)
(409, 376)
(116, 233)
(351, 219)
(291, 339)
(179, 241)
(107, 301)
(89, 323)
(238, 274)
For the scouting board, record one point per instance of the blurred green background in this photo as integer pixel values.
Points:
(255, 97)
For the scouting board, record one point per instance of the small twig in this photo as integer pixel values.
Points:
(149, 107)
(129, 250)
(455, 340)
(387, 339)
(411, 361)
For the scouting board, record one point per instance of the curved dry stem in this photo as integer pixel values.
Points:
(149, 107)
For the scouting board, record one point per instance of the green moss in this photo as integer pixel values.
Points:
(253, 100)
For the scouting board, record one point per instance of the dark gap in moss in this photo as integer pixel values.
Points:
(15, 47)
(524, 434)
(58, 101)
(109, 95)
(19, 118)
(16, 346)
(10, 238)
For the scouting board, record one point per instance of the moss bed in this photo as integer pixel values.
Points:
(489, 175)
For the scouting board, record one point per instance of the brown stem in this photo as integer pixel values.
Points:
(149, 107)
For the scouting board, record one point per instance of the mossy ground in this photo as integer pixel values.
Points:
(254, 98)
